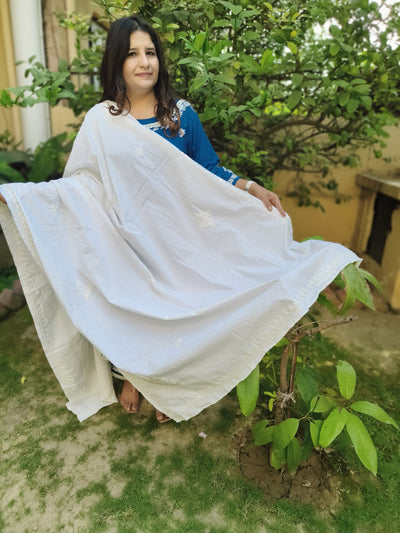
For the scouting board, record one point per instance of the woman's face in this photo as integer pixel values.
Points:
(141, 67)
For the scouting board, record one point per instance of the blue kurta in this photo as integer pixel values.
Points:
(192, 141)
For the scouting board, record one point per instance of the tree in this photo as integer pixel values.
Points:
(299, 85)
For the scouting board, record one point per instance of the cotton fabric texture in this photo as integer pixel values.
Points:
(178, 278)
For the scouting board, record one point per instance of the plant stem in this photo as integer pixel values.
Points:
(283, 384)
(295, 334)
(293, 369)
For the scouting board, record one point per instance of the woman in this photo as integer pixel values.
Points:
(134, 75)
(181, 279)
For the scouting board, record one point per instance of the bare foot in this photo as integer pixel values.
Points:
(161, 417)
(129, 398)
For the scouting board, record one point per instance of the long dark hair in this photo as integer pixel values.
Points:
(111, 77)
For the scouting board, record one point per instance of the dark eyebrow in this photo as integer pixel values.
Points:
(148, 48)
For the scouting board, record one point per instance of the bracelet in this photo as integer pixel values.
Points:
(248, 185)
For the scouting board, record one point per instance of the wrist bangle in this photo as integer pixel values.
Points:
(248, 185)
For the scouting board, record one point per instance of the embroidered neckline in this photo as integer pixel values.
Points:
(154, 124)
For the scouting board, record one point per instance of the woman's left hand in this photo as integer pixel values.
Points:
(269, 198)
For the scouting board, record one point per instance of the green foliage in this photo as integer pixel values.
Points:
(332, 426)
(346, 378)
(354, 280)
(339, 415)
(45, 163)
(7, 276)
(326, 415)
(247, 391)
(371, 409)
(298, 85)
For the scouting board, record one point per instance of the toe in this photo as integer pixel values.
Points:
(129, 398)
(161, 417)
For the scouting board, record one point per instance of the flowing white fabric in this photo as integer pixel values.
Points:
(180, 279)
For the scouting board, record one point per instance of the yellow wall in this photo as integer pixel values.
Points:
(60, 45)
(9, 118)
(339, 220)
(390, 267)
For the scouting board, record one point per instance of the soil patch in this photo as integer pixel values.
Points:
(313, 483)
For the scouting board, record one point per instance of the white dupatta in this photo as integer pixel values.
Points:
(180, 279)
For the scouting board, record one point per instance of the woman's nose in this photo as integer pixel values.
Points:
(144, 60)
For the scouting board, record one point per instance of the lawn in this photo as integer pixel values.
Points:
(126, 473)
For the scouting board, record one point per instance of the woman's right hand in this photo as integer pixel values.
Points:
(2, 199)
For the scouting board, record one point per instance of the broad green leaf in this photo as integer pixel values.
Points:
(15, 156)
(247, 391)
(5, 98)
(352, 105)
(294, 99)
(297, 79)
(267, 59)
(221, 23)
(9, 174)
(371, 409)
(209, 114)
(356, 288)
(334, 49)
(346, 377)
(199, 41)
(18, 91)
(332, 426)
(66, 94)
(284, 432)
(327, 303)
(339, 281)
(347, 47)
(362, 89)
(312, 238)
(192, 61)
(343, 99)
(236, 9)
(322, 404)
(366, 101)
(358, 81)
(277, 457)
(306, 384)
(315, 428)
(293, 455)
(307, 446)
(262, 434)
(232, 7)
(334, 30)
(225, 79)
(369, 277)
(199, 81)
(362, 442)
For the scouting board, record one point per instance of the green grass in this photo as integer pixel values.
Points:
(176, 491)
(126, 473)
(7, 276)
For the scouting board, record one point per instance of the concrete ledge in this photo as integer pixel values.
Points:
(389, 186)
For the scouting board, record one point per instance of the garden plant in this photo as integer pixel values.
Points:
(293, 438)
